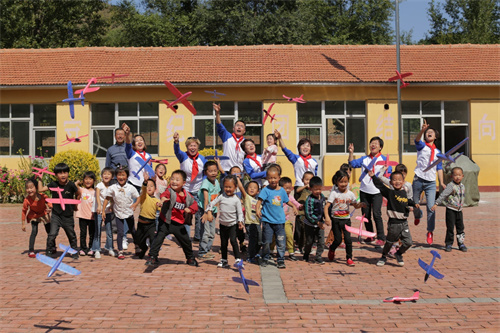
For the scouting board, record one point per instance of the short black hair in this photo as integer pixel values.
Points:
(60, 168)
(457, 168)
(241, 121)
(395, 173)
(108, 169)
(251, 182)
(380, 141)
(315, 181)
(119, 129)
(242, 145)
(304, 140)
(90, 174)
(307, 173)
(284, 181)
(345, 167)
(232, 178)
(338, 176)
(276, 167)
(401, 168)
(207, 164)
(180, 172)
(150, 180)
(122, 168)
(233, 168)
(32, 180)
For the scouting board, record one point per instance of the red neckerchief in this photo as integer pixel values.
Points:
(305, 158)
(432, 146)
(254, 158)
(372, 157)
(143, 155)
(194, 171)
(238, 141)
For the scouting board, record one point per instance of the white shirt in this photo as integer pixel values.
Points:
(123, 198)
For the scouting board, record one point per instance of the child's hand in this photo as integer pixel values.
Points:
(424, 126)
(159, 204)
(23, 227)
(433, 208)
(103, 214)
(98, 210)
(241, 226)
(176, 137)
(204, 218)
(146, 175)
(328, 221)
(216, 107)
(370, 173)
(187, 210)
(301, 207)
(258, 213)
(360, 205)
(295, 210)
(210, 217)
(350, 148)
(134, 206)
(277, 134)
(321, 225)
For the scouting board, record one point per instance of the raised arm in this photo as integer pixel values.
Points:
(422, 130)
(217, 113)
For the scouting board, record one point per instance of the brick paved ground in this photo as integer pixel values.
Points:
(113, 295)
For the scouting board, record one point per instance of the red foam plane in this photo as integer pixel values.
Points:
(87, 88)
(162, 161)
(398, 299)
(295, 99)
(61, 201)
(387, 163)
(42, 171)
(268, 114)
(71, 140)
(400, 77)
(112, 77)
(360, 232)
(182, 98)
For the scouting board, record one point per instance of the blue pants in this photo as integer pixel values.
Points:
(96, 244)
(429, 187)
(278, 230)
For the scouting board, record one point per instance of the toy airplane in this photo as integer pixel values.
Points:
(42, 171)
(180, 98)
(162, 161)
(112, 77)
(61, 201)
(429, 270)
(71, 100)
(58, 264)
(213, 157)
(71, 140)
(245, 282)
(268, 114)
(366, 169)
(400, 77)
(87, 88)
(398, 299)
(360, 232)
(387, 163)
(447, 156)
(295, 99)
(215, 93)
(144, 165)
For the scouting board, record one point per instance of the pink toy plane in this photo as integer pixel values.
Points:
(268, 114)
(400, 77)
(295, 99)
(42, 171)
(387, 163)
(87, 88)
(398, 299)
(360, 232)
(61, 201)
(162, 161)
(112, 77)
(180, 98)
(71, 140)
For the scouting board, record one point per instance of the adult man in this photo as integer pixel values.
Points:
(116, 153)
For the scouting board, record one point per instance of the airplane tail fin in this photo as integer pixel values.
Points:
(435, 254)
(67, 247)
(455, 158)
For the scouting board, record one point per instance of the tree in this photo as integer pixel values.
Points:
(464, 21)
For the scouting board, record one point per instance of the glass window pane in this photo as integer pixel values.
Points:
(456, 112)
(335, 135)
(20, 110)
(410, 107)
(309, 113)
(149, 130)
(204, 108)
(4, 110)
(127, 109)
(334, 107)
(254, 133)
(355, 107)
(4, 138)
(227, 108)
(228, 124)
(134, 126)
(431, 107)
(148, 109)
(435, 122)
(45, 143)
(103, 114)
(355, 133)
(204, 130)
(20, 137)
(102, 140)
(313, 134)
(44, 114)
(250, 112)
(453, 136)
(411, 127)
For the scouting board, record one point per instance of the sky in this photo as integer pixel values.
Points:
(413, 15)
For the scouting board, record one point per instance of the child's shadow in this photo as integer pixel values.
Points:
(150, 269)
(427, 246)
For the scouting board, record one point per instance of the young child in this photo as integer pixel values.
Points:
(252, 223)
(269, 154)
(339, 201)
(62, 218)
(290, 213)
(85, 213)
(35, 210)
(345, 167)
(177, 206)
(301, 194)
(397, 210)
(426, 180)
(253, 163)
(123, 195)
(209, 190)
(160, 182)
(104, 213)
(314, 228)
(453, 197)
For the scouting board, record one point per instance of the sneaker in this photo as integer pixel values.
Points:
(368, 240)
(141, 254)
(448, 248)
(32, 255)
(271, 261)
(463, 248)
(381, 261)
(120, 255)
(263, 263)
(125, 244)
(399, 259)
(50, 253)
(429, 238)
(342, 245)
(331, 255)
(97, 255)
(297, 251)
(112, 253)
(237, 261)
(379, 243)
(243, 248)
(319, 261)
(206, 256)
(350, 262)
(152, 261)
(417, 221)
(82, 253)
(281, 264)
(192, 262)
(292, 257)
(313, 250)
(223, 264)
(75, 256)
(148, 243)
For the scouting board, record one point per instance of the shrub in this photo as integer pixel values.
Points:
(78, 161)
(210, 151)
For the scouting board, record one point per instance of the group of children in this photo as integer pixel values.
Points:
(260, 202)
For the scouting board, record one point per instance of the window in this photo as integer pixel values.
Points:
(103, 126)
(44, 126)
(251, 114)
(345, 123)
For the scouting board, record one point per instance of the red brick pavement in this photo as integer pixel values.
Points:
(113, 295)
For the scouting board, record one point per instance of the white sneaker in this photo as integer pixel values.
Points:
(237, 261)
(223, 263)
(97, 255)
(112, 253)
(125, 244)
(147, 242)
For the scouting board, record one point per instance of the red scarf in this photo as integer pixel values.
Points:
(194, 171)
(254, 158)
(142, 155)
(305, 158)
(432, 146)
(372, 157)
(238, 141)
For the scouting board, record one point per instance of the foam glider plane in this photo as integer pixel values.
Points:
(58, 264)
(213, 157)
(181, 98)
(162, 161)
(112, 77)
(267, 113)
(144, 165)
(87, 88)
(429, 269)
(60, 200)
(447, 156)
(387, 163)
(71, 100)
(215, 93)
(244, 281)
(295, 99)
(42, 171)
(360, 232)
(71, 140)
(400, 77)
(398, 299)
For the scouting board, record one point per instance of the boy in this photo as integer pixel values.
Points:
(176, 202)
(290, 213)
(314, 222)
(62, 218)
(453, 197)
(301, 193)
(210, 189)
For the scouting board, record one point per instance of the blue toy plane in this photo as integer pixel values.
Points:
(447, 156)
(212, 157)
(71, 100)
(144, 165)
(215, 93)
(245, 281)
(58, 264)
(429, 270)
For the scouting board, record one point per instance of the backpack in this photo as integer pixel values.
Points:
(166, 208)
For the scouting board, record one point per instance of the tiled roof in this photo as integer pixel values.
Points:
(251, 64)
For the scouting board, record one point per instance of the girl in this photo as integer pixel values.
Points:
(85, 212)
(107, 175)
(269, 154)
(252, 223)
(253, 163)
(35, 210)
(210, 189)
(230, 218)
(135, 147)
(340, 199)
(161, 183)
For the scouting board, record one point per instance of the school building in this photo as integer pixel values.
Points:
(456, 88)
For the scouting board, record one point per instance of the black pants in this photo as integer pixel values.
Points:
(338, 228)
(373, 204)
(65, 222)
(145, 231)
(254, 232)
(228, 234)
(299, 234)
(314, 233)
(454, 219)
(240, 235)
(397, 231)
(34, 232)
(84, 225)
(180, 233)
(119, 230)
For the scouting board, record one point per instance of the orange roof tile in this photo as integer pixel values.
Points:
(252, 64)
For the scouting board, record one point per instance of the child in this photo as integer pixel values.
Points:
(426, 180)
(160, 182)
(368, 193)
(339, 201)
(104, 213)
(345, 167)
(397, 210)
(230, 218)
(453, 197)
(269, 154)
(252, 223)
(123, 195)
(314, 222)
(85, 213)
(253, 163)
(301, 194)
(290, 213)
(36, 209)
(177, 206)
(209, 190)
(62, 218)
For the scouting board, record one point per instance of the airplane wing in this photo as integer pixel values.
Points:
(64, 144)
(46, 260)
(173, 89)
(422, 264)
(394, 78)
(68, 269)
(352, 230)
(415, 297)
(454, 149)
(436, 162)
(149, 170)
(406, 75)
(435, 273)
(265, 117)
(66, 247)
(189, 106)
(270, 108)
(66, 201)
(86, 90)
(365, 233)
